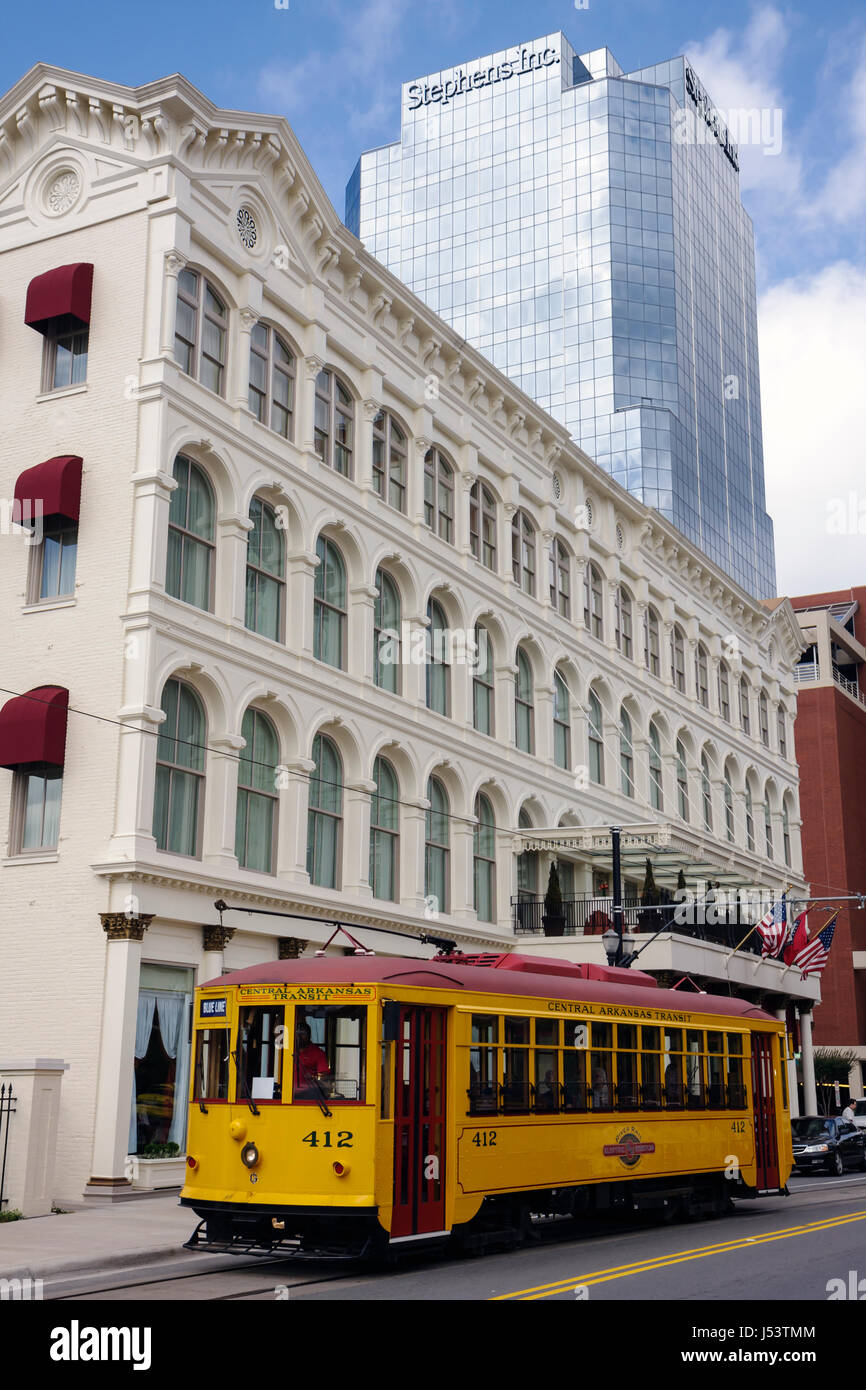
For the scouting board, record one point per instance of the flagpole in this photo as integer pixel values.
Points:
(812, 938)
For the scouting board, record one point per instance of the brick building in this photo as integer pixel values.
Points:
(830, 735)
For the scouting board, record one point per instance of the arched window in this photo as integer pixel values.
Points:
(439, 495)
(484, 861)
(596, 739)
(786, 836)
(561, 722)
(256, 819)
(706, 793)
(437, 869)
(524, 712)
(179, 791)
(325, 815)
(329, 626)
(189, 563)
(724, 692)
(678, 659)
(386, 633)
(782, 730)
(655, 769)
(523, 552)
(483, 702)
(482, 524)
(764, 717)
(560, 579)
(652, 646)
(265, 594)
(750, 819)
(682, 782)
(593, 612)
(272, 380)
(768, 829)
(729, 807)
(438, 666)
(200, 331)
(389, 460)
(745, 720)
(334, 427)
(626, 753)
(623, 617)
(384, 831)
(527, 864)
(702, 679)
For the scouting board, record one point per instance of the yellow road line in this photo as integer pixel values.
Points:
(654, 1262)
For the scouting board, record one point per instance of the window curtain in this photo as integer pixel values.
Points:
(143, 1026)
(173, 1012)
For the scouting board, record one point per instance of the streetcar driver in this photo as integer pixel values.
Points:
(312, 1068)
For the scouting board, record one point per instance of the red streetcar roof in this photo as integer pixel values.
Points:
(437, 974)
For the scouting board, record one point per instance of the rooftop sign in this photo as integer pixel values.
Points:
(441, 93)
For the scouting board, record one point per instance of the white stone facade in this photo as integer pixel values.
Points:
(142, 183)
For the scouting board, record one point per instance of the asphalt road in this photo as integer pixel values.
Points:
(779, 1248)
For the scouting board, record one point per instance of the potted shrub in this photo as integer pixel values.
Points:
(158, 1165)
(650, 897)
(553, 917)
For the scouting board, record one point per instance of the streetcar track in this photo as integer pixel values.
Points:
(173, 1279)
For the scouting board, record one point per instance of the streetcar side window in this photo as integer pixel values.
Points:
(736, 1084)
(695, 1068)
(260, 1043)
(484, 1065)
(627, 1095)
(546, 1093)
(211, 1077)
(601, 1064)
(329, 1060)
(575, 1090)
(674, 1080)
(515, 1090)
(716, 1071)
(650, 1069)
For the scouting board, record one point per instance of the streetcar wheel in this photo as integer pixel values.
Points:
(836, 1167)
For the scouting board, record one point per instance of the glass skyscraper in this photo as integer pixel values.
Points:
(583, 228)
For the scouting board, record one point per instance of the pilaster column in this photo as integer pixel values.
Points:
(462, 891)
(504, 695)
(214, 939)
(416, 482)
(290, 947)
(609, 614)
(300, 595)
(413, 835)
(362, 602)
(807, 1052)
(218, 838)
(639, 638)
(151, 505)
(356, 846)
(542, 571)
(240, 397)
(364, 446)
(307, 404)
(174, 263)
(231, 567)
(665, 655)
(544, 722)
(640, 769)
(292, 826)
(462, 526)
(133, 825)
(125, 933)
(506, 517)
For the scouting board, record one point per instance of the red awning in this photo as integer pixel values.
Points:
(65, 290)
(33, 727)
(52, 488)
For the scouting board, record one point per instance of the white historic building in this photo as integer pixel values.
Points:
(307, 608)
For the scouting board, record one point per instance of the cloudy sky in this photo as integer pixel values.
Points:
(335, 69)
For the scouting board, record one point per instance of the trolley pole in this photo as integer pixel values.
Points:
(617, 891)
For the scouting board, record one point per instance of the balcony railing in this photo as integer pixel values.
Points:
(810, 671)
(851, 687)
(807, 671)
(591, 916)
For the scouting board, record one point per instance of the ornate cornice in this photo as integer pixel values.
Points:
(290, 947)
(123, 926)
(215, 937)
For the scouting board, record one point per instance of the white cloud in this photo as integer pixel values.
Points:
(843, 196)
(813, 365)
(740, 72)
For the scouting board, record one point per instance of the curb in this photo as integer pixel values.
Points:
(127, 1259)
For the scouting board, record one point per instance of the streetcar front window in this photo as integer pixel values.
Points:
(211, 1078)
(259, 1058)
(483, 1065)
(328, 1062)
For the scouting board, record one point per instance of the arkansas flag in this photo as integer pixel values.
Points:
(799, 938)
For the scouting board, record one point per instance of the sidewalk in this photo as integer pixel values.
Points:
(116, 1236)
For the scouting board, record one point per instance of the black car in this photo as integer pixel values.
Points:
(830, 1144)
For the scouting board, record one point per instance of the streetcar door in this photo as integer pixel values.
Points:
(766, 1148)
(419, 1123)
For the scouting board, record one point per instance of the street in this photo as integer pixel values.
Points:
(779, 1248)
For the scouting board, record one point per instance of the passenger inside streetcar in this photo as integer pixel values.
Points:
(312, 1069)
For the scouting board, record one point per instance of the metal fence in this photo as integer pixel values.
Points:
(7, 1110)
(591, 916)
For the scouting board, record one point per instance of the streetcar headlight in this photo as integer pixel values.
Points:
(249, 1155)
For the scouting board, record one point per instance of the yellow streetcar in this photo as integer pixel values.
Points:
(366, 1104)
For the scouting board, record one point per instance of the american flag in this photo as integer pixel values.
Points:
(813, 957)
(773, 929)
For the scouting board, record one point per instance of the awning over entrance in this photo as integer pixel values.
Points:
(52, 488)
(33, 728)
(668, 848)
(65, 290)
